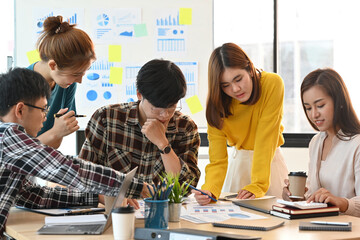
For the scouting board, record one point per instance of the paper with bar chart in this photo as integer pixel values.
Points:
(72, 15)
(171, 37)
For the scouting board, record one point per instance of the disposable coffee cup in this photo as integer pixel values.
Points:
(123, 221)
(297, 182)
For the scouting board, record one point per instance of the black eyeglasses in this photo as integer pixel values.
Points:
(44, 110)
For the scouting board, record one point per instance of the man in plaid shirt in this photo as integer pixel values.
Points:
(23, 101)
(150, 133)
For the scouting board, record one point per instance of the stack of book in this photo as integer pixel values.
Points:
(301, 209)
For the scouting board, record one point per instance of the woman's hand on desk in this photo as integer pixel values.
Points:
(201, 198)
(286, 192)
(323, 195)
(245, 194)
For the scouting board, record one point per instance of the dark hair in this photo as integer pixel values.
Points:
(21, 84)
(161, 82)
(332, 83)
(68, 46)
(229, 55)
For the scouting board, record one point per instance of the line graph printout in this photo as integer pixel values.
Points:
(170, 35)
(114, 25)
(71, 15)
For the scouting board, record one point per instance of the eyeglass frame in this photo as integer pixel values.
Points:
(44, 110)
(161, 111)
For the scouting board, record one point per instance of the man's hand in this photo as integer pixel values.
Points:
(155, 130)
(65, 124)
(132, 202)
(145, 191)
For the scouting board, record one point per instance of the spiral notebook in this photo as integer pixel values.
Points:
(317, 227)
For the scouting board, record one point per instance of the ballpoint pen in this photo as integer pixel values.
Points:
(330, 223)
(60, 115)
(80, 211)
(203, 193)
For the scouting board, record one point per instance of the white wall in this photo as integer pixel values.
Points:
(296, 159)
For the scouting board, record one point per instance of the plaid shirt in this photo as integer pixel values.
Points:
(22, 156)
(114, 139)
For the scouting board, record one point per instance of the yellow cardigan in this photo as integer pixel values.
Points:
(251, 127)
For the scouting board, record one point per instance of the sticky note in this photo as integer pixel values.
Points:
(185, 16)
(116, 75)
(194, 104)
(114, 53)
(140, 30)
(33, 56)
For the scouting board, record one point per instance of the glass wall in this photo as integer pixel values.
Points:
(311, 35)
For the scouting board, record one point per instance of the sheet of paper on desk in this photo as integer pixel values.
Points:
(215, 213)
(78, 219)
(140, 213)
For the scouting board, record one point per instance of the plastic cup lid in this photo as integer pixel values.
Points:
(299, 174)
(128, 209)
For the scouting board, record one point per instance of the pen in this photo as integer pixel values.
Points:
(79, 211)
(201, 192)
(59, 115)
(330, 223)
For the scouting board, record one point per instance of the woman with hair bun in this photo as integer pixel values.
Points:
(66, 53)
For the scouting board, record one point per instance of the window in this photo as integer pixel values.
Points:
(311, 35)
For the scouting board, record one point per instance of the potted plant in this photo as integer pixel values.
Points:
(176, 196)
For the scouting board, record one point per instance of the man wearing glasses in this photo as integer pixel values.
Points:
(23, 101)
(151, 133)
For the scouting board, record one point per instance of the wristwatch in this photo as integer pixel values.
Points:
(166, 150)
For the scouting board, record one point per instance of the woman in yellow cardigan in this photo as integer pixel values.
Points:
(244, 110)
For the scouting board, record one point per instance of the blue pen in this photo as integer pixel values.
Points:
(201, 192)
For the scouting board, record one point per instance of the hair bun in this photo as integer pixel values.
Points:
(54, 25)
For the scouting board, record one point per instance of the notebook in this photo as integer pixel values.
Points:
(263, 204)
(299, 216)
(259, 225)
(319, 227)
(93, 225)
(293, 210)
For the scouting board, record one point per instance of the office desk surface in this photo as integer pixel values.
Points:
(22, 225)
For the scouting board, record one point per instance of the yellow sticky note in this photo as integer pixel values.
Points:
(116, 75)
(194, 104)
(185, 16)
(33, 56)
(114, 53)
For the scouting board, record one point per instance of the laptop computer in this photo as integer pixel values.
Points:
(263, 204)
(93, 228)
